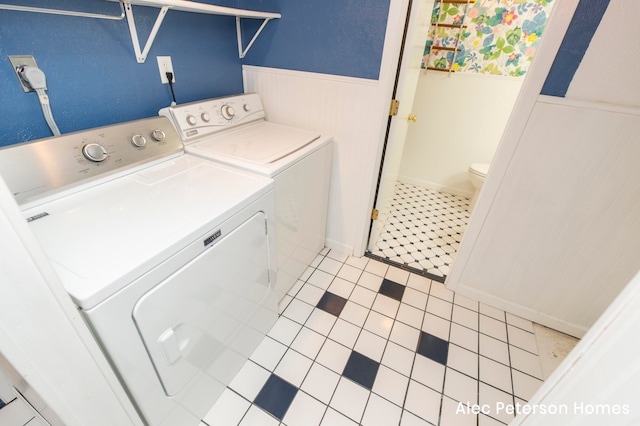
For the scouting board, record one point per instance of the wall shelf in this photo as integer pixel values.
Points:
(165, 6)
(195, 7)
(63, 12)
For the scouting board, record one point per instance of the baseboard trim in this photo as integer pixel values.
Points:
(339, 246)
(436, 187)
(523, 311)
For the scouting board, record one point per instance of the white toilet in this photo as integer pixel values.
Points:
(477, 174)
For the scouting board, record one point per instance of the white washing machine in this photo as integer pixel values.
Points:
(233, 131)
(167, 256)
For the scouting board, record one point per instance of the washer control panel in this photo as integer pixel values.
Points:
(203, 118)
(40, 168)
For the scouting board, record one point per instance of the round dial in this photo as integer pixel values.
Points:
(205, 117)
(227, 112)
(138, 140)
(191, 120)
(94, 152)
(158, 135)
(246, 107)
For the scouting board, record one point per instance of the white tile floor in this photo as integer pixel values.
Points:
(15, 412)
(362, 342)
(422, 229)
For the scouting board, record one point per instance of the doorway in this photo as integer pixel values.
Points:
(449, 121)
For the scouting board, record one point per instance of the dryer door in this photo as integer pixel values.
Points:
(209, 306)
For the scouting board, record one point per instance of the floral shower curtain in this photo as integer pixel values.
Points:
(500, 37)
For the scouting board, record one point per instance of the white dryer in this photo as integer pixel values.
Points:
(167, 255)
(233, 131)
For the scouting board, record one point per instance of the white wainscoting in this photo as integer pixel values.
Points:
(343, 107)
(560, 239)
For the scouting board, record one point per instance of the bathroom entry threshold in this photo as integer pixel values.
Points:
(421, 230)
(422, 272)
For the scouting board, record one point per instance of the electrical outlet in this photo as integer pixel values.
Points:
(18, 61)
(165, 66)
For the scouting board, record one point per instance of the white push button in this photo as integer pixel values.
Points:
(158, 135)
(138, 140)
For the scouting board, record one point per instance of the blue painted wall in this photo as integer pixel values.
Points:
(583, 26)
(339, 37)
(92, 74)
(94, 79)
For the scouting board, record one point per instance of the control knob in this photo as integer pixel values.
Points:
(158, 135)
(94, 152)
(205, 117)
(246, 107)
(227, 112)
(191, 120)
(138, 140)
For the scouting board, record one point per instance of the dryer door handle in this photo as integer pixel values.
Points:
(168, 341)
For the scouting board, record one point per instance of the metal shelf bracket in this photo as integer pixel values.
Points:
(242, 52)
(141, 55)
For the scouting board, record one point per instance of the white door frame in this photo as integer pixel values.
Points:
(408, 74)
(555, 30)
(388, 68)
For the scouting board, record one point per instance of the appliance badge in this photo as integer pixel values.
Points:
(210, 239)
(38, 216)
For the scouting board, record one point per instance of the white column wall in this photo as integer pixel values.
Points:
(553, 237)
(609, 70)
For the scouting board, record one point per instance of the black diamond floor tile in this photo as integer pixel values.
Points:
(332, 303)
(276, 396)
(433, 348)
(361, 369)
(435, 211)
(392, 289)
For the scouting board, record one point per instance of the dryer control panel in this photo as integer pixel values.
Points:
(40, 169)
(203, 118)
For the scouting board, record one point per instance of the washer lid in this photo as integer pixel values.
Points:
(262, 143)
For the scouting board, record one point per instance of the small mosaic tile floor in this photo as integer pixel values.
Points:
(362, 342)
(422, 230)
